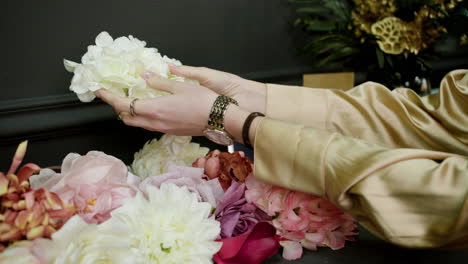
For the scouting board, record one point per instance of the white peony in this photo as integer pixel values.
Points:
(116, 65)
(170, 226)
(157, 155)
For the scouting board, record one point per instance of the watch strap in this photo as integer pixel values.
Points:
(216, 118)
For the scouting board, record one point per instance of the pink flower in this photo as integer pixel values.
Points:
(95, 184)
(302, 220)
(235, 214)
(207, 191)
(253, 247)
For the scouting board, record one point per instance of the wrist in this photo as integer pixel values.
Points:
(254, 99)
(234, 120)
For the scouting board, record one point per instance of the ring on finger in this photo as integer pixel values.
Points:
(121, 114)
(132, 107)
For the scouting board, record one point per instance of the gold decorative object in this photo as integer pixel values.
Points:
(396, 36)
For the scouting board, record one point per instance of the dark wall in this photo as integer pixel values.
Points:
(250, 38)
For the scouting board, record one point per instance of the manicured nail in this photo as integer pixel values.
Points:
(174, 68)
(147, 75)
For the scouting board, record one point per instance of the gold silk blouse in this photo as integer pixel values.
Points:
(395, 161)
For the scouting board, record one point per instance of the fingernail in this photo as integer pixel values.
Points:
(174, 68)
(147, 75)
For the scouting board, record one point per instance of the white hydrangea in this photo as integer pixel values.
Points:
(157, 155)
(116, 65)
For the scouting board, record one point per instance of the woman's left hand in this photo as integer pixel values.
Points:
(184, 113)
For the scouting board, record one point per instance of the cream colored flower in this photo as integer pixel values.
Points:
(169, 226)
(157, 155)
(116, 65)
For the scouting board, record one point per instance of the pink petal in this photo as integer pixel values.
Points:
(291, 250)
(18, 157)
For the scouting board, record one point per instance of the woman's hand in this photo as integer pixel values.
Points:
(250, 95)
(184, 113)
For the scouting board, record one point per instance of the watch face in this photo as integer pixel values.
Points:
(219, 137)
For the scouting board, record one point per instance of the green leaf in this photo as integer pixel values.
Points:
(463, 12)
(321, 25)
(380, 57)
(337, 55)
(305, 1)
(340, 8)
(315, 9)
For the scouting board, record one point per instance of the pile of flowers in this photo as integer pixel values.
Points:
(96, 209)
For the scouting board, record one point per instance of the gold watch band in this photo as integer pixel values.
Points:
(216, 119)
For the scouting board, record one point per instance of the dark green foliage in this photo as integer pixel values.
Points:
(333, 45)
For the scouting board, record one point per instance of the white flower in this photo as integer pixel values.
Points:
(21, 252)
(79, 242)
(170, 226)
(156, 156)
(116, 65)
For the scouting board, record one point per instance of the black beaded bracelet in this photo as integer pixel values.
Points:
(246, 128)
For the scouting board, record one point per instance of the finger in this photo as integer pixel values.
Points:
(120, 104)
(160, 83)
(201, 74)
(207, 77)
(135, 121)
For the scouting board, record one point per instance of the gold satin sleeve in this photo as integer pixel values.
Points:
(398, 118)
(410, 197)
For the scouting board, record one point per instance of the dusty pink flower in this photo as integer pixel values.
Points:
(95, 184)
(207, 191)
(302, 220)
(235, 214)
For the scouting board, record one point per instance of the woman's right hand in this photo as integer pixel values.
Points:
(250, 95)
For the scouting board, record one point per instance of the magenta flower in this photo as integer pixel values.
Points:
(252, 247)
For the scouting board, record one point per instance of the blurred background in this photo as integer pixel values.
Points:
(276, 41)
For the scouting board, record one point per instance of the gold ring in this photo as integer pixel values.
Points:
(120, 114)
(132, 107)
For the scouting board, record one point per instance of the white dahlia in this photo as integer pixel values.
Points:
(170, 226)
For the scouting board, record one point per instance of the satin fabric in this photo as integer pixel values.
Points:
(395, 161)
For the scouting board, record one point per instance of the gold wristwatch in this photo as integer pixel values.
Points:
(215, 129)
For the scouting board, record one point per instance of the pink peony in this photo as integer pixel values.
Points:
(95, 184)
(302, 220)
(207, 191)
(235, 214)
